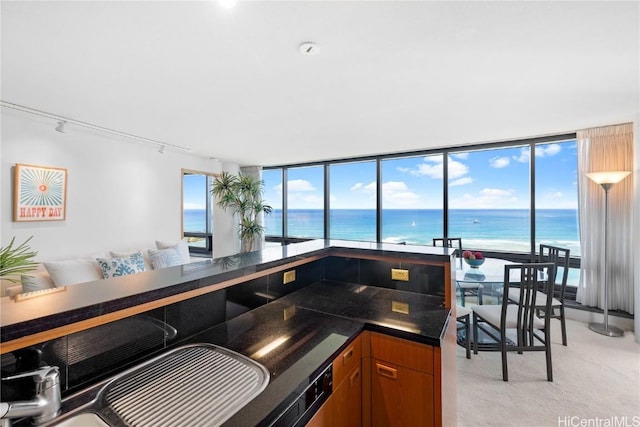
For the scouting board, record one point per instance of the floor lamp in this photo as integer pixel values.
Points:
(606, 180)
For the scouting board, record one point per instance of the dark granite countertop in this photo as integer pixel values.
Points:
(311, 326)
(299, 335)
(409, 315)
(302, 343)
(92, 299)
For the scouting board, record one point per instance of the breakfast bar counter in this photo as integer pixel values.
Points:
(292, 309)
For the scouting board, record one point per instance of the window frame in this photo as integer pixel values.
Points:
(208, 235)
(514, 256)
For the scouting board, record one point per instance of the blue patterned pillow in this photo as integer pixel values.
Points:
(163, 258)
(121, 266)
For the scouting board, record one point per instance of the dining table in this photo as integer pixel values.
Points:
(490, 276)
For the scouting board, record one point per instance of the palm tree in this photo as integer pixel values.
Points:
(242, 194)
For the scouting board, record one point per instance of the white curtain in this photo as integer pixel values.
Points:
(608, 148)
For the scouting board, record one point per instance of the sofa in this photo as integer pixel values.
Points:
(52, 274)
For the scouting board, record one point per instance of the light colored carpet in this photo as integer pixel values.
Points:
(596, 382)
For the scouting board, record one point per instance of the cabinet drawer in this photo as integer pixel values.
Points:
(402, 352)
(346, 361)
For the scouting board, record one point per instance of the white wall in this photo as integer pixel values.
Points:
(121, 194)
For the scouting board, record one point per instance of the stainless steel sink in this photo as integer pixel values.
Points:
(199, 384)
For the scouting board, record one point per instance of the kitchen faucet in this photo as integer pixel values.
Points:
(46, 403)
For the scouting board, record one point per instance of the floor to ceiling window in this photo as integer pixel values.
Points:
(557, 195)
(352, 201)
(557, 199)
(305, 202)
(272, 179)
(412, 210)
(489, 198)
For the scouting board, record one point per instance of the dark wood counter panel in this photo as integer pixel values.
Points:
(83, 306)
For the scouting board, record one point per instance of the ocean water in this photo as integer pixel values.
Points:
(499, 229)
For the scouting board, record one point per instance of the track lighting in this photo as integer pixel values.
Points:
(63, 121)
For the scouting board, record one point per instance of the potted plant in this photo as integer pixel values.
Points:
(15, 261)
(242, 194)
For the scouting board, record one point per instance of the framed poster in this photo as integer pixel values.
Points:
(40, 193)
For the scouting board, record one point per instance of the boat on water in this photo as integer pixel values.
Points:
(475, 221)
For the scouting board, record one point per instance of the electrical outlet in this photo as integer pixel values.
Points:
(398, 274)
(289, 312)
(288, 277)
(400, 307)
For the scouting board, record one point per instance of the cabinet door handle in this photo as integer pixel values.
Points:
(387, 371)
(354, 377)
(347, 356)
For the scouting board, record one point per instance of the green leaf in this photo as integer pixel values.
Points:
(18, 260)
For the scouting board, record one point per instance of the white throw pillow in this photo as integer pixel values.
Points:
(73, 271)
(182, 246)
(163, 258)
(36, 281)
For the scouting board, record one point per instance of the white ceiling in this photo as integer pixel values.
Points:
(390, 76)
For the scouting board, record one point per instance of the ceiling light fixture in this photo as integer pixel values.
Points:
(64, 121)
(228, 4)
(309, 48)
(61, 125)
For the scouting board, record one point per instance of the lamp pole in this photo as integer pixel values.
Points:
(606, 180)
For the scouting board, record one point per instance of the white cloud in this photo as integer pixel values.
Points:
(557, 195)
(392, 186)
(397, 194)
(357, 186)
(370, 188)
(461, 181)
(462, 156)
(523, 157)
(300, 185)
(488, 198)
(457, 169)
(548, 150)
(433, 168)
(499, 162)
(541, 151)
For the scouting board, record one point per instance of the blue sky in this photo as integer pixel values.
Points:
(194, 192)
(486, 179)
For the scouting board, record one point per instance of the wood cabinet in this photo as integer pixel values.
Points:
(347, 386)
(384, 381)
(347, 400)
(324, 416)
(402, 388)
(344, 406)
